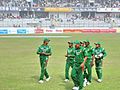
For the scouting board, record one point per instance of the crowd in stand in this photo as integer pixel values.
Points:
(9, 16)
(59, 3)
(78, 3)
(14, 3)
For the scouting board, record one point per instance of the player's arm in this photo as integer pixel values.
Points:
(39, 51)
(85, 59)
(104, 53)
(66, 54)
(93, 58)
(49, 53)
(83, 63)
(72, 55)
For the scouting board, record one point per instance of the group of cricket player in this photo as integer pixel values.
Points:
(80, 56)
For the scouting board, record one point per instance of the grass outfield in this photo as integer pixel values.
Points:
(19, 64)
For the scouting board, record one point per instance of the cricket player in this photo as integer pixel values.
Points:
(88, 67)
(70, 59)
(99, 55)
(44, 51)
(78, 68)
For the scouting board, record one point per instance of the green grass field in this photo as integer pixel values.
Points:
(19, 64)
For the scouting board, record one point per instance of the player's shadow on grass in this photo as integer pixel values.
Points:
(67, 85)
(35, 77)
(94, 78)
(62, 77)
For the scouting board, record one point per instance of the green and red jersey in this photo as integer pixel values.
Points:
(44, 49)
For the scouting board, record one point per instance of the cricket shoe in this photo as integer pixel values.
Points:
(99, 80)
(47, 79)
(75, 88)
(66, 80)
(41, 81)
(88, 83)
(85, 82)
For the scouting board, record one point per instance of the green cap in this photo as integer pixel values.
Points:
(77, 42)
(70, 42)
(86, 41)
(46, 39)
(97, 43)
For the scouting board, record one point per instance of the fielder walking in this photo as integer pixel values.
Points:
(70, 59)
(99, 54)
(88, 67)
(78, 68)
(44, 51)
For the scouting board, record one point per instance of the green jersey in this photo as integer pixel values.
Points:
(99, 53)
(79, 55)
(88, 52)
(70, 53)
(44, 49)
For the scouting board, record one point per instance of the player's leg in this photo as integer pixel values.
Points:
(42, 71)
(45, 69)
(74, 76)
(89, 71)
(89, 76)
(85, 76)
(96, 68)
(81, 79)
(99, 70)
(72, 64)
(67, 67)
(46, 73)
(85, 72)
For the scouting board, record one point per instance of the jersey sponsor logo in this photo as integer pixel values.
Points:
(69, 51)
(98, 52)
(78, 52)
(44, 49)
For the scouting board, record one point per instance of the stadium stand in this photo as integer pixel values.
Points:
(29, 18)
(59, 3)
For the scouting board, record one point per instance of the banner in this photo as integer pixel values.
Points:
(56, 30)
(89, 30)
(3, 31)
(21, 31)
(53, 31)
(30, 31)
(72, 30)
(12, 31)
(58, 9)
(39, 31)
(99, 31)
